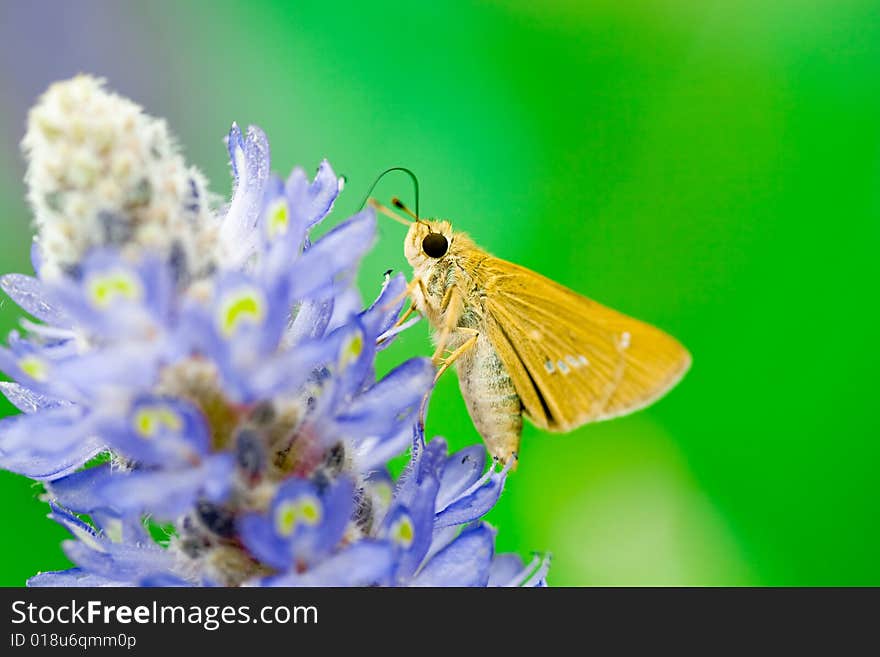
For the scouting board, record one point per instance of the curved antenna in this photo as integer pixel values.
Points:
(388, 213)
(411, 175)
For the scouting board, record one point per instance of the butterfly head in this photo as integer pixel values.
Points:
(428, 242)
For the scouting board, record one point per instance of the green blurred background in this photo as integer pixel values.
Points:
(712, 167)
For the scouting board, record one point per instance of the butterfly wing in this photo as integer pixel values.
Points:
(573, 360)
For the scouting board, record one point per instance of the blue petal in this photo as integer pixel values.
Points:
(311, 320)
(475, 503)
(258, 535)
(539, 578)
(379, 486)
(164, 445)
(139, 309)
(74, 577)
(164, 580)
(377, 451)
(122, 529)
(27, 400)
(283, 242)
(506, 570)
(235, 146)
(312, 202)
(77, 492)
(32, 295)
(426, 460)
(250, 168)
(47, 467)
(244, 343)
(421, 513)
(119, 562)
(287, 371)
(464, 562)
(338, 505)
(125, 563)
(462, 470)
(347, 302)
(363, 564)
(382, 315)
(391, 401)
(442, 538)
(355, 362)
(338, 508)
(49, 432)
(113, 369)
(257, 532)
(337, 251)
(46, 383)
(167, 494)
(264, 331)
(307, 543)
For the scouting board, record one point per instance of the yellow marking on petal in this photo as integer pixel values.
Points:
(383, 492)
(403, 532)
(150, 419)
(244, 306)
(106, 288)
(310, 510)
(291, 512)
(34, 367)
(351, 350)
(278, 219)
(286, 517)
(113, 530)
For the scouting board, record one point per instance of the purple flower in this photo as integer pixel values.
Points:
(237, 400)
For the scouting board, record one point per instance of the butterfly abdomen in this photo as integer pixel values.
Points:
(491, 398)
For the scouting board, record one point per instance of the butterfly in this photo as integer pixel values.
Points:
(524, 345)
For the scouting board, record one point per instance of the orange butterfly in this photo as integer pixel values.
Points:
(525, 345)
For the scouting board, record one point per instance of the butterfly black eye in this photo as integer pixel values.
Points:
(435, 245)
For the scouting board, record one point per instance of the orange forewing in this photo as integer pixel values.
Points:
(573, 360)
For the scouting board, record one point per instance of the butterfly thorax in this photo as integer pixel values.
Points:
(452, 296)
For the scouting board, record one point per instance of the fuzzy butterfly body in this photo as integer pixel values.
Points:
(525, 345)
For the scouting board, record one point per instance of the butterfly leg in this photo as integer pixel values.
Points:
(399, 326)
(455, 355)
(447, 363)
(415, 282)
(396, 330)
(409, 311)
(451, 305)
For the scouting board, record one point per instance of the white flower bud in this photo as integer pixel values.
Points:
(101, 172)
